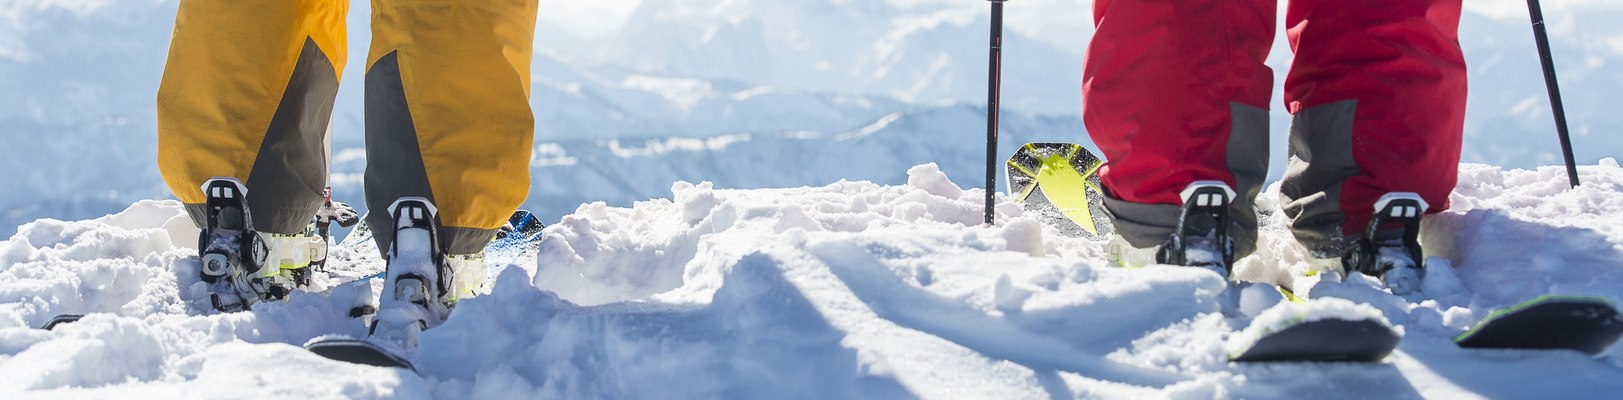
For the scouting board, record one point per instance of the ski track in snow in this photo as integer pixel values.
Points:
(851, 290)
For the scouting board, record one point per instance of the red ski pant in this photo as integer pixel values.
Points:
(1176, 92)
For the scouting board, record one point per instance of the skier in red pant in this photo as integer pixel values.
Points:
(1176, 96)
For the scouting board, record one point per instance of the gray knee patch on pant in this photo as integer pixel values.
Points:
(1321, 160)
(289, 175)
(1248, 162)
(394, 161)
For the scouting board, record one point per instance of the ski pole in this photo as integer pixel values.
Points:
(1543, 39)
(993, 85)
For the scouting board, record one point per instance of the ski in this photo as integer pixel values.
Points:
(1324, 340)
(1328, 339)
(1588, 325)
(357, 351)
(61, 319)
(414, 293)
(1059, 182)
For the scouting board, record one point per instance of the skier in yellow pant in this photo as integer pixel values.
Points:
(244, 112)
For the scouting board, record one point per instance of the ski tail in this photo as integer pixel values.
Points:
(357, 351)
(1326, 340)
(1586, 324)
(1059, 182)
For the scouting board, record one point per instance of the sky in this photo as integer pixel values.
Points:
(586, 19)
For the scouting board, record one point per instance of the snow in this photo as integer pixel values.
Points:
(849, 290)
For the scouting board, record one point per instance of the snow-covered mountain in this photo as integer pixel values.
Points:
(849, 290)
(77, 125)
(927, 55)
(1508, 119)
(577, 103)
(566, 173)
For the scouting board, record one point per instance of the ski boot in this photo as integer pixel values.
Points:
(1202, 237)
(243, 266)
(1200, 240)
(417, 288)
(231, 252)
(1390, 247)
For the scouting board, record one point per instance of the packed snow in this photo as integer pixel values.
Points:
(850, 290)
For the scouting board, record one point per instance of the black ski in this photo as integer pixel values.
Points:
(61, 319)
(1586, 324)
(1325, 340)
(357, 351)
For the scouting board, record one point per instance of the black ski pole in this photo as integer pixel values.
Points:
(1543, 39)
(993, 84)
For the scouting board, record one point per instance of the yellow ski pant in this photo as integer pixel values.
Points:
(248, 93)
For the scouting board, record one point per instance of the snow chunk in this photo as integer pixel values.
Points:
(1254, 299)
(1007, 296)
(105, 355)
(1024, 235)
(104, 265)
(928, 177)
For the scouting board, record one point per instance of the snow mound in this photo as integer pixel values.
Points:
(120, 264)
(850, 290)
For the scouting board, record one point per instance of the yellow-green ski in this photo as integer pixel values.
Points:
(1060, 183)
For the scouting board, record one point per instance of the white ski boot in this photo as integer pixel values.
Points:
(417, 288)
